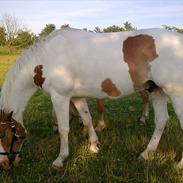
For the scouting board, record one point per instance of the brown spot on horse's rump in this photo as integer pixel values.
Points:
(110, 88)
(138, 52)
(38, 78)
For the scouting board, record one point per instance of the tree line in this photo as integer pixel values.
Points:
(13, 33)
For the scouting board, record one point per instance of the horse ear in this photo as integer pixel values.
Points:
(10, 115)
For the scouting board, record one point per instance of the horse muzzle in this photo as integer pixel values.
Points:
(5, 165)
(9, 161)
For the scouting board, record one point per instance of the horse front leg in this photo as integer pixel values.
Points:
(161, 117)
(61, 107)
(73, 113)
(177, 102)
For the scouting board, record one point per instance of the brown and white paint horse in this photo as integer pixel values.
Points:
(75, 64)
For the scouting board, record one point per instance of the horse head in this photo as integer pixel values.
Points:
(12, 135)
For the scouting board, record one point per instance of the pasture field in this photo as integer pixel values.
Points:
(6, 60)
(121, 142)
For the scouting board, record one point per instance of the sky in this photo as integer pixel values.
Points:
(35, 14)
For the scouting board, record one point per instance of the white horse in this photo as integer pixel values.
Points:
(74, 64)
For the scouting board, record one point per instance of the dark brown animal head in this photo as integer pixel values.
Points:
(12, 135)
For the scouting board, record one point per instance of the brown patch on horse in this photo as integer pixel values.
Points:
(38, 78)
(110, 88)
(138, 52)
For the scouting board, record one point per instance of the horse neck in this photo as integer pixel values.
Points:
(17, 90)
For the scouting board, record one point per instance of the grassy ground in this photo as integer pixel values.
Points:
(121, 142)
(6, 60)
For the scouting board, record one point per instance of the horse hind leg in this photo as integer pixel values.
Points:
(54, 121)
(177, 102)
(145, 112)
(82, 108)
(161, 116)
(100, 109)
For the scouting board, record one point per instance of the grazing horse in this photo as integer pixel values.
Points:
(71, 63)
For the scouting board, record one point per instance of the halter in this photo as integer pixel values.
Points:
(11, 154)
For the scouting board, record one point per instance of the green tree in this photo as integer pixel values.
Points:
(128, 26)
(47, 30)
(2, 36)
(97, 30)
(173, 28)
(64, 26)
(24, 39)
(12, 26)
(113, 28)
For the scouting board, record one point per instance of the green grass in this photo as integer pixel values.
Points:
(6, 60)
(121, 142)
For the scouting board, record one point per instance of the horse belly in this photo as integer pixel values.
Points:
(109, 81)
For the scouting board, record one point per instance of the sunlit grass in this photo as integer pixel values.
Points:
(6, 61)
(121, 142)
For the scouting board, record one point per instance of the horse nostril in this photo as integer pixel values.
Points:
(5, 165)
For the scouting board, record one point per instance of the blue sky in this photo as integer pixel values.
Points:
(35, 14)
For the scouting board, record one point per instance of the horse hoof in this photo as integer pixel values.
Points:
(142, 120)
(54, 167)
(180, 166)
(100, 128)
(57, 164)
(94, 149)
(144, 155)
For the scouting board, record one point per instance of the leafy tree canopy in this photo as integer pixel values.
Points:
(2, 36)
(64, 26)
(173, 28)
(24, 39)
(115, 28)
(47, 30)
